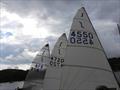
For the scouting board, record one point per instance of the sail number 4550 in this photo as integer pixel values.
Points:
(81, 37)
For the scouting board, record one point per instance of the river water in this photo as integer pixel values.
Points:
(11, 86)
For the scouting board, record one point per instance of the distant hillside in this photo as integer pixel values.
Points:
(10, 75)
(115, 63)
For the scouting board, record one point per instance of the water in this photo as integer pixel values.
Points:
(11, 86)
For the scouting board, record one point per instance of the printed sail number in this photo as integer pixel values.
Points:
(56, 62)
(81, 37)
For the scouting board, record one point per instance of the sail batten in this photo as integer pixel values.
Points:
(88, 67)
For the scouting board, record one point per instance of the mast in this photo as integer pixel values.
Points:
(86, 66)
(36, 74)
(53, 73)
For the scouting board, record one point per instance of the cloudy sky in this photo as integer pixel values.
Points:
(26, 25)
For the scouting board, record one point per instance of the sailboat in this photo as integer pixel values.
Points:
(35, 76)
(53, 73)
(85, 66)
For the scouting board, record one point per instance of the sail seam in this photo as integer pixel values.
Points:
(52, 78)
(65, 65)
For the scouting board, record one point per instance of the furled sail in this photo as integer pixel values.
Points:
(53, 72)
(34, 79)
(85, 66)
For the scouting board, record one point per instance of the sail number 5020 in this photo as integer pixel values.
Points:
(81, 37)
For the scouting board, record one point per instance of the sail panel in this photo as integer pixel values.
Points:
(84, 56)
(86, 78)
(85, 66)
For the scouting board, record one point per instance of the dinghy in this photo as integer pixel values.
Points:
(53, 72)
(85, 66)
(34, 79)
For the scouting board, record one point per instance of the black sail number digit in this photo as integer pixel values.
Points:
(72, 37)
(73, 34)
(85, 37)
(79, 37)
(72, 40)
(56, 62)
(90, 38)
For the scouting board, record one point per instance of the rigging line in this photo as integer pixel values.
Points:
(89, 67)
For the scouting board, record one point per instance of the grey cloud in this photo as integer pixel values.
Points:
(64, 11)
(6, 49)
(12, 25)
(22, 7)
(109, 10)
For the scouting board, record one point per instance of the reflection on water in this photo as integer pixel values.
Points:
(11, 86)
(14, 85)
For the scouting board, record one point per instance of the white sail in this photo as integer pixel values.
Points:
(86, 66)
(53, 72)
(36, 74)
